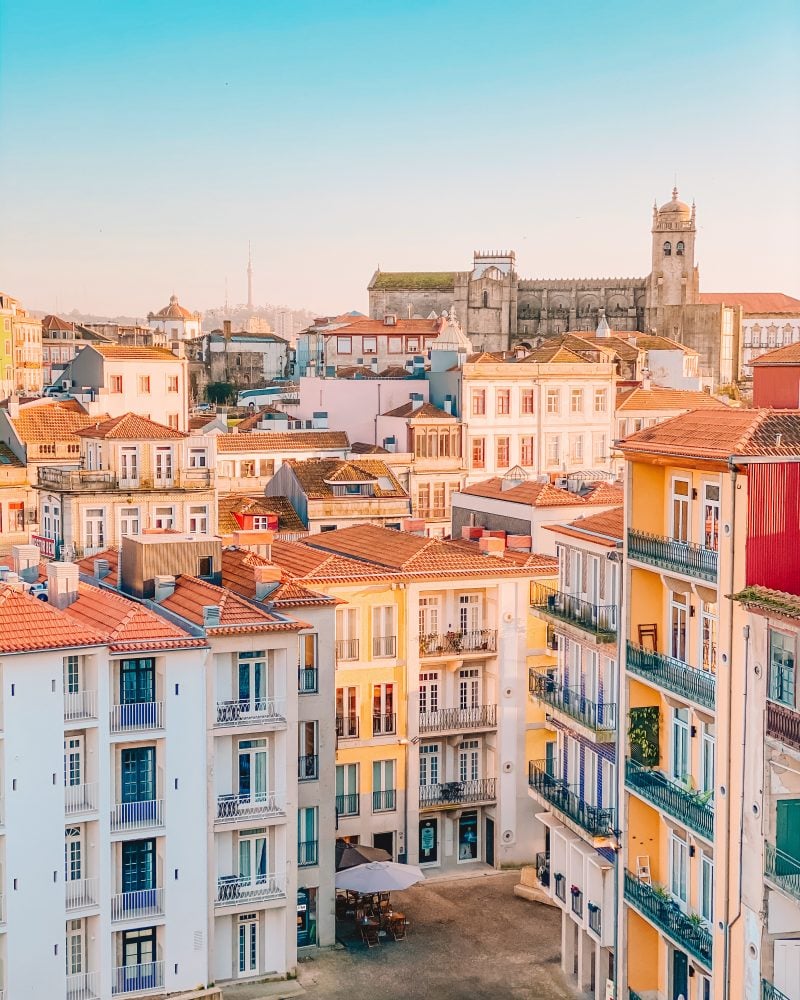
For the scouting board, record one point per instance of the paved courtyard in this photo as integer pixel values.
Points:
(470, 939)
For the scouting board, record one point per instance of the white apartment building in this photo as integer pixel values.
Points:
(174, 322)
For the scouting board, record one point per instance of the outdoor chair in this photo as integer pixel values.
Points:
(369, 934)
(397, 928)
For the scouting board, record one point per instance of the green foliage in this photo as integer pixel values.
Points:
(221, 393)
(643, 735)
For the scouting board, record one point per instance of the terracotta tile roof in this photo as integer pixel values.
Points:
(721, 434)
(283, 441)
(130, 427)
(191, 595)
(579, 341)
(355, 371)
(364, 448)
(657, 398)
(555, 355)
(431, 280)
(30, 624)
(8, 460)
(424, 411)
(316, 474)
(486, 357)
(111, 555)
(126, 624)
(56, 323)
(534, 494)
(395, 371)
(603, 492)
(48, 422)
(755, 303)
(297, 560)
(610, 524)
(648, 342)
(198, 423)
(774, 602)
(358, 326)
(227, 506)
(789, 355)
(122, 352)
(237, 575)
(251, 422)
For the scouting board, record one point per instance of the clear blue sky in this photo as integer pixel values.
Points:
(144, 143)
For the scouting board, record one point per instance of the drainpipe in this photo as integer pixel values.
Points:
(620, 763)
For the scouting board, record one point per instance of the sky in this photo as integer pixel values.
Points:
(142, 145)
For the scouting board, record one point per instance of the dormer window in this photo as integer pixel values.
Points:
(667, 249)
(390, 319)
(679, 248)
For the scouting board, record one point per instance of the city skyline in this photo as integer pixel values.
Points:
(340, 138)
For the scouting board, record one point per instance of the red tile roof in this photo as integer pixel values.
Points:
(27, 623)
(358, 326)
(315, 476)
(609, 524)
(789, 355)
(49, 422)
(755, 303)
(191, 595)
(227, 506)
(657, 398)
(51, 322)
(537, 494)
(422, 411)
(122, 352)
(238, 574)
(283, 441)
(130, 427)
(86, 565)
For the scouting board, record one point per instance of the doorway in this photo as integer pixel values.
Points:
(385, 841)
(489, 841)
(428, 841)
(680, 975)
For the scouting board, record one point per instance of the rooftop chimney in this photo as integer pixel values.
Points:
(416, 400)
(62, 583)
(226, 329)
(164, 588)
(26, 559)
(491, 546)
(267, 579)
(101, 568)
(259, 542)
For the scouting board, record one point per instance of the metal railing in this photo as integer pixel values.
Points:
(80, 892)
(307, 767)
(770, 992)
(783, 723)
(347, 805)
(137, 716)
(576, 902)
(598, 619)
(80, 798)
(232, 890)
(560, 883)
(80, 705)
(384, 645)
(256, 805)
(76, 480)
(347, 727)
(660, 909)
(137, 815)
(543, 868)
(595, 919)
(597, 821)
(674, 675)
(138, 903)
(669, 554)
(688, 807)
(307, 853)
(633, 995)
(137, 978)
(346, 649)
(458, 719)
(601, 717)
(251, 712)
(384, 725)
(782, 869)
(482, 640)
(457, 792)
(80, 986)
(308, 680)
(384, 801)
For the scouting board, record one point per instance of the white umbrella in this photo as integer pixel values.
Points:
(378, 876)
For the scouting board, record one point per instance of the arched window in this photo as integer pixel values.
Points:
(485, 300)
(679, 248)
(668, 249)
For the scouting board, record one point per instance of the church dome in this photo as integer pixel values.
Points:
(174, 310)
(675, 207)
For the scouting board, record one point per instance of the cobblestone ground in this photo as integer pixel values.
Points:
(470, 939)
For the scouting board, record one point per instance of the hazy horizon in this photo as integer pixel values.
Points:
(145, 145)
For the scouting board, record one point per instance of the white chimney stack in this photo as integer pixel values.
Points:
(62, 583)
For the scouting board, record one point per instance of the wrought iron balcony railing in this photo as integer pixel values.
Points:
(482, 640)
(384, 725)
(688, 807)
(346, 649)
(249, 806)
(770, 992)
(601, 717)
(691, 683)
(307, 680)
(458, 719)
(347, 805)
(660, 909)
(457, 792)
(783, 723)
(384, 645)
(384, 801)
(307, 767)
(685, 558)
(232, 890)
(782, 869)
(347, 727)
(307, 853)
(595, 820)
(600, 620)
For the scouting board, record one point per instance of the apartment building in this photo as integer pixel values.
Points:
(61, 341)
(361, 340)
(20, 348)
(572, 772)
(135, 475)
(431, 643)
(247, 461)
(17, 513)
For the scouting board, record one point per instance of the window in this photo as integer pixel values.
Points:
(552, 449)
(384, 631)
(395, 345)
(681, 493)
(599, 447)
(576, 448)
(503, 402)
(369, 345)
(129, 522)
(680, 764)
(383, 785)
(72, 674)
(115, 383)
(526, 451)
(600, 400)
(478, 402)
(347, 789)
(16, 516)
(708, 635)
(172, 383)
(470, 613)
(678, 870)
(667, 249)
(308, 654)
(576, 401)
(173, 421)
(469, 688)
(469, 760)
(429, 692)
(198, 520)
(263, 522)
(307, 836)
(428, 616)
(138, 774)
(679, 248)
(679, 612)
(308, 750)
(711, 516)
(129, 463)
(138, 866)
(164, 465)
(75, 947)
(553, 399)
(527, 400)
(706, 888)
(253, 866)
(429, 764)
(502, 446)
(485, 300)
(94, 528)
(383, 710)
(782, 650)
(478, 453)
(198, 458)
(412, 344)
(164, 518)
(707, 758)
(144, 385)
(347, 712)
(344, 345)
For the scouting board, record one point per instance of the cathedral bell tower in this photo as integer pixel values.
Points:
(674, 278)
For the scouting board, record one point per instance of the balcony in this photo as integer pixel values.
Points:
(687, 807)
(347, 727)
(543, 868)
(595, 919)
(384, 801)
(600, 718)
(560, 885)
(384, 645)
(136, 904)
(145, 978)
(307, 680)
(596, 821)
(698, 686)
(347, 805)
(456, 793)
(782, 870)
(81, 986)
(80, 705)
(783, 724)
(232, 890)
(770, 992)
(251, 712)
(576, 902)
(458, 719)
(80, 798)
(307, 853)
(673, 556)
(137, 815)
(307, 767)
(661, 910)
(81, 892)
(599, 620)
(76, 480)
(259, 805)
(482, 640)
(384, 725)
(346, 649)
(138, 717)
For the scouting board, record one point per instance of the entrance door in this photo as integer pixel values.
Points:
(488, 841)
(787, 834)
(680, 975)
(303, 916)
(385, 841)
(428, 841)
(138, 960)
(468, 836)
(248, 944)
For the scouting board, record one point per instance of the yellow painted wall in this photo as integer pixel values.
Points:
(647, 498)
(643, 954)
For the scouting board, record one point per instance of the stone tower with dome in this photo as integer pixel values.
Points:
(674, 278)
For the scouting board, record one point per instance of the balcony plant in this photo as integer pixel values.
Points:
(643, 735)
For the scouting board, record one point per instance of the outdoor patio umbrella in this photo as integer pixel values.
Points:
(350, 855)
(378, 876)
